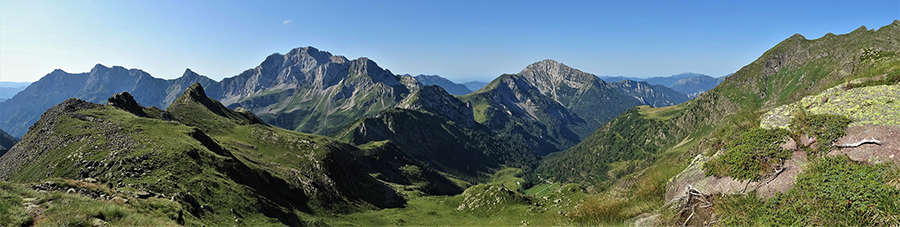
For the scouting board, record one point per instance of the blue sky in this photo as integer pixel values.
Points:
(460, 40)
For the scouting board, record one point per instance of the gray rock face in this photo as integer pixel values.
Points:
(584, 94)
(449, 86)
(313, 91)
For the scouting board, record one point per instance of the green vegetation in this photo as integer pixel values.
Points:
(467, 153)
(833, 191)
(492, 203)
(237, 173)
(825, 128)
(55, 208)
(754, 154)
(631, 136)
(788, 72)
(891, 78)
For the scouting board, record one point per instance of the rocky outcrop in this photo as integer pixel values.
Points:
(195, 108)
(126, 102)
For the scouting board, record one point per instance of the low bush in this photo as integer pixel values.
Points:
(753, 154)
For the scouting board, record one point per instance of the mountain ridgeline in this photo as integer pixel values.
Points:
(691, 84)
(313, 91)
(552, 106)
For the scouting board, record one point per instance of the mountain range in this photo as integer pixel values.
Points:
(311, 138)
(9, 89)
(474, 85)
(313, 91)
(692, 84)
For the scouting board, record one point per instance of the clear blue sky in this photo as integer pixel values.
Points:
(461, 40)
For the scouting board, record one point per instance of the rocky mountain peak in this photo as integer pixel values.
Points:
(189, 74)
(125, 101)
(58, 71)
(194, 102)
(194, 92)
(307, 57)
(548, 75)
(365, 66)
(98, 68)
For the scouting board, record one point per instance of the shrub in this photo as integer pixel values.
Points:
(826, 128)
(837, 191)
(750, 156)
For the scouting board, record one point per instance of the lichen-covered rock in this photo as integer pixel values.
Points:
(872, 105)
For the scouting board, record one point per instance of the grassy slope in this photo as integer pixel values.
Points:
(791, 70)
(497, 203)
(63, 209)
(470, 154)
(236, 172)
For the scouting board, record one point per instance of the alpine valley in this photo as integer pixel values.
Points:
(804, 135)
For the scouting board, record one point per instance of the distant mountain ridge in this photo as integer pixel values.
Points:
(660, 80)
(313, 91)
(21, 111)
(449, 86)
(691, 84)
(653, 95)
(694, 86)
(474, 85)
(10, 89)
